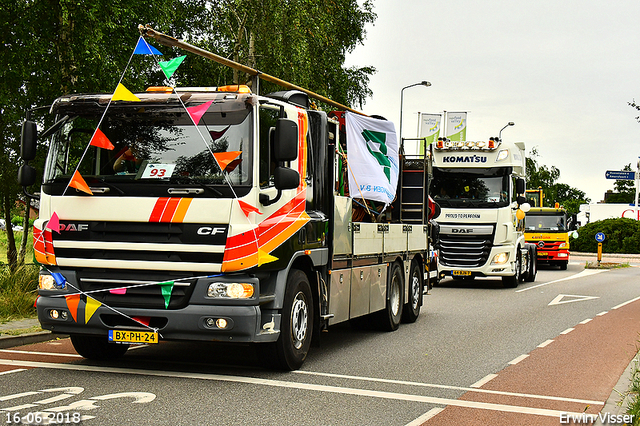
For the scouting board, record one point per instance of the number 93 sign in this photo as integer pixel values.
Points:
(158, 171)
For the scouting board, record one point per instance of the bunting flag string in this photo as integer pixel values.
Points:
(123, 94)
(227, 160)
(248, 208)
(196, 112)
(54, 223)
(72, 303)
(90, 308)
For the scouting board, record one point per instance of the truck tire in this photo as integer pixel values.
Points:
(290, 350)
(512, 281)
(563, 265)
(392, 313)
(411, 309)
(97, 347)
(533, 265)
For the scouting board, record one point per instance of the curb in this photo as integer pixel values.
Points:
(28, 338)
(619, 399)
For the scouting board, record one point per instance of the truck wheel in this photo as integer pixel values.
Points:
(391, 315)
(411, 309)
(533, 266)
(97, 347)
(563, 265)
(290, 350)
(512, 281)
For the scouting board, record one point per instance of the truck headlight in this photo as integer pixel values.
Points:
(46, 282)
(500, 258)
(562, 245)
(230, 290)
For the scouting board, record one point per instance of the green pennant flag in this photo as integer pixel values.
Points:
(169, 67)
(166, 288)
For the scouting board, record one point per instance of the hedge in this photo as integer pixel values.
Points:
(621, 236)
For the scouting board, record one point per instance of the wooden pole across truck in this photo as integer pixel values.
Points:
(147, 31)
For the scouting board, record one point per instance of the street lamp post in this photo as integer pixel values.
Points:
(422, 83)
(511, 123)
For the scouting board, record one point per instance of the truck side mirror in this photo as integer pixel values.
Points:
(520, 187)
(286, 178)
(29, 139)
(285, 147)
(26, 175)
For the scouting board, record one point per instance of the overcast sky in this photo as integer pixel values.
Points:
(563, 71)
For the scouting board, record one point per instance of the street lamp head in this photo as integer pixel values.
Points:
(425, 83)
(511, 123)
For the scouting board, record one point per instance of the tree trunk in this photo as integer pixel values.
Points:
(12, 255)
(25, 232)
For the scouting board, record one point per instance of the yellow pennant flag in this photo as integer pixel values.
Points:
(124, 94)
(90, 308)
(264, 257)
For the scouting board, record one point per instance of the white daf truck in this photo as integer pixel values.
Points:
(480, 187)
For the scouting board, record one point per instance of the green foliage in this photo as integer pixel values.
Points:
(18, 292)
(554, 192)
(622, 236)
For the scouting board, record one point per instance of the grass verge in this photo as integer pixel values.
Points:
(633, 407)
(18, 291)
(606, 265)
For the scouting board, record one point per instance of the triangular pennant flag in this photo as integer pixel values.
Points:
(169, 67)
(264, 257)
(54, 223)
(77, 182)
(123, 94)
(166, 288)
(196, 112)
(142, 320)
(118, 291)
(225, 159)
(90, 308)
(59, 279)
(101, 140)
(215, 135)
(248, 208)
(144, 48)
(72, 304)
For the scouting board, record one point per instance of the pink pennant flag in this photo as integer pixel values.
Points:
(196, 112)
(54, 223)
(118, 291)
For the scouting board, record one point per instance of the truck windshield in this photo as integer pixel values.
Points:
(481, 188)
(155, 144)
(545, 223)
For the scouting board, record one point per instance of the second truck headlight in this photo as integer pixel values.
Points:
(500, 258)
(230, 290)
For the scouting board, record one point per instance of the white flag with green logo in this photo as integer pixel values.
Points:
(456, 126)
(372, 153)
(429, 130)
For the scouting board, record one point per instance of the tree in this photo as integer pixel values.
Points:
(55, 47)
(546, 177)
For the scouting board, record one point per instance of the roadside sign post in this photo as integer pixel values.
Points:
(600, 237)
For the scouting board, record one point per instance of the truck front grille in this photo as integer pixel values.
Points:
(464, 251)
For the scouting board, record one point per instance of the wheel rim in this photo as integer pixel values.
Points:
(415, 290)
(299, 318)
(394, 297)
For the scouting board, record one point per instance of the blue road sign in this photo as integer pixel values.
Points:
(600, 237)
(620, 175)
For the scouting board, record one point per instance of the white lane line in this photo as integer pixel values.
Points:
(484, 380)
(585, 321)
(568, 330)
(449, 387)
(17, 370)
(517, 360)
(426, 416)
(545, 343)
(582, 274)
(625, 303)
(296, 385)
(602, 313)
(13, 351)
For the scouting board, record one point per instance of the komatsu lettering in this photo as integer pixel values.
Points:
(465, 159)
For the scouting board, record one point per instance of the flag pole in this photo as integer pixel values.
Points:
(147, 31)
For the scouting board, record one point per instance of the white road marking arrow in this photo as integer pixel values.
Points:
(573, 298)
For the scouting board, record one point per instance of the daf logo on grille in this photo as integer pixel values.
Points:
(462, 230)
(74, 227)
(540, 244)
(208, 230)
